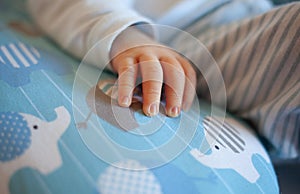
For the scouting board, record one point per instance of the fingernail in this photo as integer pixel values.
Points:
(125, 101)
(174, 112)
(153, 109)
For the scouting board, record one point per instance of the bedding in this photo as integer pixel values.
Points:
(60, 132)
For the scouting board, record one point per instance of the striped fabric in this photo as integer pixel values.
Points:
(260, 62)
(227, 137)
(17, 54)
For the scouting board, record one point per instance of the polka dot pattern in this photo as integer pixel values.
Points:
(127, 179)
(15, 136)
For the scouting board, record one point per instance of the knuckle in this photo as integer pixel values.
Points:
(126, 85)
(175, 95)
(147, 57)
(127, 68)
(175, 76)
(153, 72)
(122, 63)
(166, 59)
(152, 92)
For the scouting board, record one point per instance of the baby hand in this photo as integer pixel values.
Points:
(137, 55)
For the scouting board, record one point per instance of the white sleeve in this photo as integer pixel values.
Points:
(77, 25)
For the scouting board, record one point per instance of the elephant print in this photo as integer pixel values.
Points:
(232, 146)
(27, 141)
(18, 60)
(101, 99)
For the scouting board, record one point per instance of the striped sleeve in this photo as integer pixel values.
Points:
(260, 62)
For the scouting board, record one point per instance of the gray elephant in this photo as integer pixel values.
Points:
(101, 101)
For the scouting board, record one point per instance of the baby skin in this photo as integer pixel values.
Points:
(136, 56)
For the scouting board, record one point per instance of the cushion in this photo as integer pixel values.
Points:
(62, 132)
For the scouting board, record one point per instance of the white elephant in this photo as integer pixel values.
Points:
(232, 146)
(28, 141)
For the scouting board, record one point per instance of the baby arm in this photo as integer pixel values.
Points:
(134, 54)
(155, 63)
